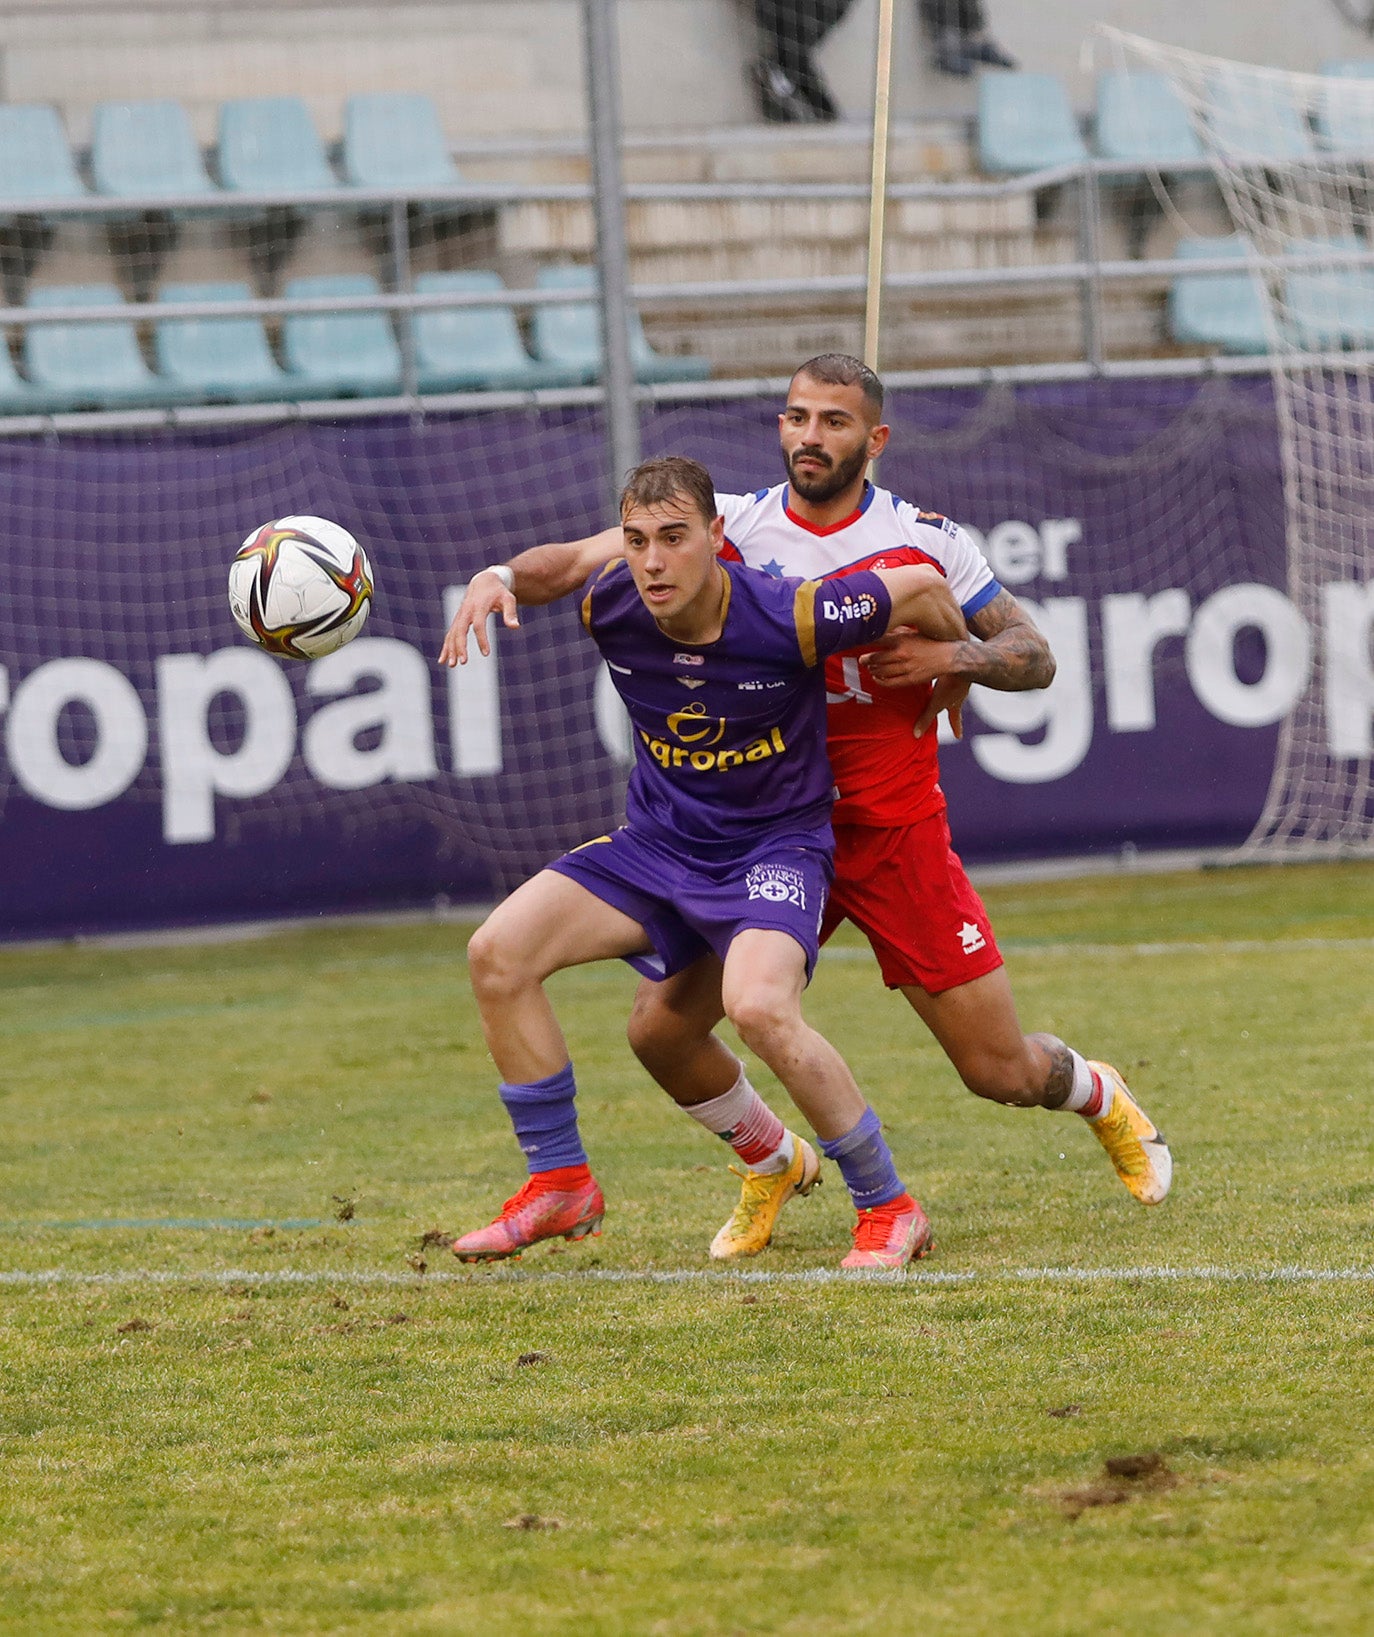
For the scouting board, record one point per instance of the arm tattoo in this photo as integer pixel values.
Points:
(1011, 655)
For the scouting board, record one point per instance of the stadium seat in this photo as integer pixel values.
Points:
(393, 139)
(270, 145)
(570, 336)
(1141, 119)
(88, 365)
(35, 157)
(146, 150)
(339, 355)
(225, 359)
(1345, 107)
(1224, 310)
(35, 163)
(1254, 119)
(1328, 308)
(476, 348)
(1025, 124)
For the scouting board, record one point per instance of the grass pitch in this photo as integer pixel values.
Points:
(244, 1387)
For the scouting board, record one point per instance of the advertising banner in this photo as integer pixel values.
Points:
(157, 769)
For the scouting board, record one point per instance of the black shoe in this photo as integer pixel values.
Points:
(812, 90)
(779, 100)
(982, 48)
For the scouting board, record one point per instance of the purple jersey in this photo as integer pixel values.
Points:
(730, 735)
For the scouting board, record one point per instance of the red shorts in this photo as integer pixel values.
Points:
(906, 891)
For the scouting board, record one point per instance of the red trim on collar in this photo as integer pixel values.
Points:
(831, 528)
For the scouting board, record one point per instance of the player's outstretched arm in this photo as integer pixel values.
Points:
(922, 600)
(1010, 654)
(540, 575)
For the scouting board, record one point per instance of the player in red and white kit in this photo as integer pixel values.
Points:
(896, 874)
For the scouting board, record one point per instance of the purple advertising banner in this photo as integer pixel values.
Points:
(157, 769)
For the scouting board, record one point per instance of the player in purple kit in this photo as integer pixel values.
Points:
(726, 850)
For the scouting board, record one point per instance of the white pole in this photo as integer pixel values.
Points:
(877, 202)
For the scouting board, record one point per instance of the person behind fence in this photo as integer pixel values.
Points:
(725, 856)
(959, 36)
(788, 85)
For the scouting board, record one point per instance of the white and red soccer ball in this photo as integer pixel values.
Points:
(300, 587)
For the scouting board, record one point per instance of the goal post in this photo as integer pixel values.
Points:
(1293, 155)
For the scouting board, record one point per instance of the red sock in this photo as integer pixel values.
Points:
(563, 1179)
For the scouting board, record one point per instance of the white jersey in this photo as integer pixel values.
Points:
(767, 535)
(883, 774)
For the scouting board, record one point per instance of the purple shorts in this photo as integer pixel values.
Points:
(688, 906)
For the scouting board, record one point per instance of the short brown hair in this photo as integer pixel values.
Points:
(841, 369)
(655, 481)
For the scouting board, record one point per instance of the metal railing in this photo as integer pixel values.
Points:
(1090, 274)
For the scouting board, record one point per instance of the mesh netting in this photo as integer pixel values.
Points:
(1293, 156)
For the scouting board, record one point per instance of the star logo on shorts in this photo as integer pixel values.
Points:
(971, 937)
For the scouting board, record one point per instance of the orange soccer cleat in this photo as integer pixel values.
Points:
(541, 1210)
(889, 1236)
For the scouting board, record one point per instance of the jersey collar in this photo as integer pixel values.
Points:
(833, 528)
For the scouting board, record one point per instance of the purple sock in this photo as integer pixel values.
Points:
(865, 1163)
(545, 1119)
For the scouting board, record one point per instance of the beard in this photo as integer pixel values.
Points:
(818, 487)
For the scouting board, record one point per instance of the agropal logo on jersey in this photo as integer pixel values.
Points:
(693, 727)
(850, 607)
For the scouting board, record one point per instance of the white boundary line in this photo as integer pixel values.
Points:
(43, 1278)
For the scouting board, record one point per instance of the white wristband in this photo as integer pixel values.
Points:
(502, 573)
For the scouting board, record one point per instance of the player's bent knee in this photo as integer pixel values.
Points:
(763, 1015)
(493, 966)
(654, 1032)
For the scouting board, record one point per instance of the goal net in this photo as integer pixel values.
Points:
(1293, 155)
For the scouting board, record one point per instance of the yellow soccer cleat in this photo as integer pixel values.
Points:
(750, 1227)
(1133, 1143)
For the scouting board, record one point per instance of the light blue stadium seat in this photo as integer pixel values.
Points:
(35, 157)
(393, 139)
(147, 150)
(1345, 107)
(476, 348)
(343, 355)
(570, 336)
(1326, 309)
(1223, 310)
(270, 145)
(1025, 124)
(1141, 119)
(1252, 118)
(225, 359)
(89, 365)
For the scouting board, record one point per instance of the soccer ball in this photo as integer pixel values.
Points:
(300, 587)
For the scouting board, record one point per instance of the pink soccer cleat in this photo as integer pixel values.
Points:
(538, 1211)
(889, 1236)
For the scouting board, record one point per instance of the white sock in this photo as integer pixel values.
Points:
(1087, 1085)
(742, 1118)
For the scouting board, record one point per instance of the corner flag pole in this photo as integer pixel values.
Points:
(877, 198)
